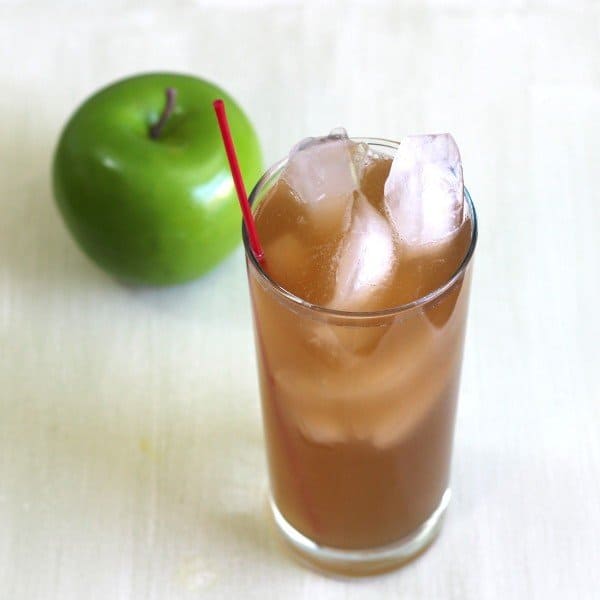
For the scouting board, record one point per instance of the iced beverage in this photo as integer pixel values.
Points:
(359, 309)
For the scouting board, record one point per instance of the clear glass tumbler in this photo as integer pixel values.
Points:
(358, 413)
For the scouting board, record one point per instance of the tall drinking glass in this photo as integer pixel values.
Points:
(358, 411)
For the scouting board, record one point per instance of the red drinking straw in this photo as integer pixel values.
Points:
(234, 165)
(257, 250)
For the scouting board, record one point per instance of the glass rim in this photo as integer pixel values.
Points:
(346, 314)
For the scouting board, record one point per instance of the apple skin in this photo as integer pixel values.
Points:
(153, 211)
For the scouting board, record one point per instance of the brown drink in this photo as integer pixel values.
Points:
(359, 345)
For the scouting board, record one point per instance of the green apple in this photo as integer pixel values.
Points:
(142, 180)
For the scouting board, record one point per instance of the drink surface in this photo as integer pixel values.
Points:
(305, 255)
(358, 415)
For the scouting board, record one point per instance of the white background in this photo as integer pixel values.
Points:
(131, 455)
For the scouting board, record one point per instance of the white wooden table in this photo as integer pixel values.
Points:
(131, 455)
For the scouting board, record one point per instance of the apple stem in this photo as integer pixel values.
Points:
(156, 129)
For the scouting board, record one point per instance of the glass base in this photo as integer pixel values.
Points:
(362, 562)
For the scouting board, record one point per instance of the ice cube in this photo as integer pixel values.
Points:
(380, 397)
(323, 174)
(424, 189)
(365, 260)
